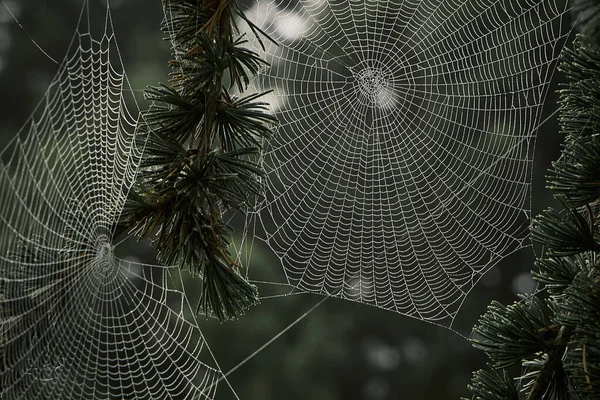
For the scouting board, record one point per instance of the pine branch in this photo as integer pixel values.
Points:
(580, 106)
(557, 274)
(566, 232)
(555, 335)
(509, 334)
(580, 310)
(552, 365)
(493, 384)
(576, 176)
(202, 148)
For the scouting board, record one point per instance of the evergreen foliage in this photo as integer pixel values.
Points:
(201, 148)
(590, 17)
(553, 337)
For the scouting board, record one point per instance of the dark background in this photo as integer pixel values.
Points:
(341, 350)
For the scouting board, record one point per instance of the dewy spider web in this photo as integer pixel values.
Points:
(401, 171)
(77, 322)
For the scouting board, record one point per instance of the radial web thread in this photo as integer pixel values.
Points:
(401, 170)
(76, 322)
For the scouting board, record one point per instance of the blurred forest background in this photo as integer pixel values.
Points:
(342, 350)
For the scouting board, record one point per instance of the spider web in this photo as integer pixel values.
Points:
(399, 175)
(76, 321)
(401, 170)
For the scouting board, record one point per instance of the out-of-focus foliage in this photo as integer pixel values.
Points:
(590, 16)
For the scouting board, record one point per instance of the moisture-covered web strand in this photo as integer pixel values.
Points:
(76, 322)
(401, 171)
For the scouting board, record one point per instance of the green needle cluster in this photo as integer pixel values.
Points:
(201, 141)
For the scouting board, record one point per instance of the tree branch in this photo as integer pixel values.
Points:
(554, 362)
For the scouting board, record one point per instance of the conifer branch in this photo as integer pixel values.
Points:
(555, 335)
(202, 148)
(552, 365)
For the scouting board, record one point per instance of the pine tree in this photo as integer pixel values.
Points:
(547, 346)
(201, 145)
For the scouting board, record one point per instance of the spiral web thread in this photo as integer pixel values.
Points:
(401, 171)
(76, 322)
